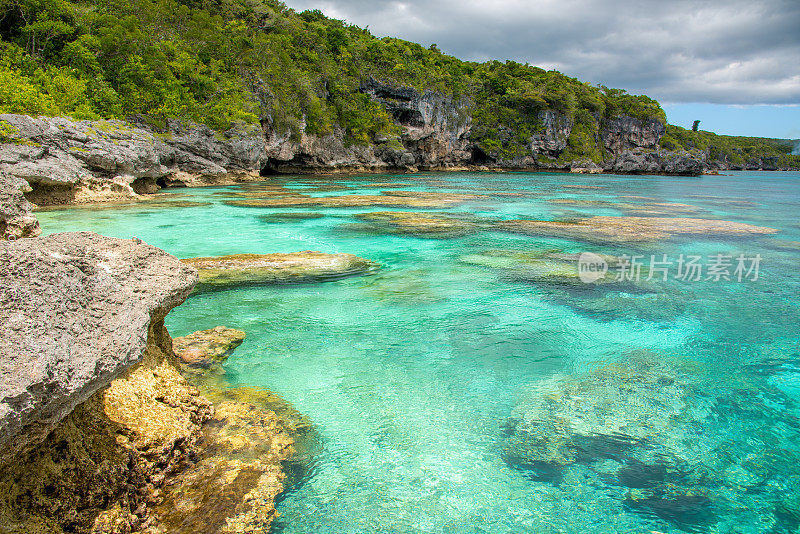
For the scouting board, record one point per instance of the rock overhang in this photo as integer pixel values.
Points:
(76, 310)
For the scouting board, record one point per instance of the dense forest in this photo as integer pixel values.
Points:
(219, 61)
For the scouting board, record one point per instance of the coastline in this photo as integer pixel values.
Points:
(103, 430)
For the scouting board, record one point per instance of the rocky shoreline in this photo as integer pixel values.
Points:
(100, 431)
(63, 161)
(57, 160)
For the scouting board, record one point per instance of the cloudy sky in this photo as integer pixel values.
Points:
(735, 64)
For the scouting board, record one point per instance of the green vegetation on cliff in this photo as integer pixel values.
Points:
(735, 151)
(220, 61)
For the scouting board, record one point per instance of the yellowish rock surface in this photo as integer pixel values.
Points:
(622, 230)
(242, 269)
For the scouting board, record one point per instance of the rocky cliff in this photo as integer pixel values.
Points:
(66, 161)
(91, 409)
(434, 133)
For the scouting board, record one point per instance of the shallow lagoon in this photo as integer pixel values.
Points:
(417, 377)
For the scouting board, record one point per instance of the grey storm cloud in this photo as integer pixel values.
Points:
(716, 51)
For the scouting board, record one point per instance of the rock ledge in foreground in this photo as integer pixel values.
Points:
(75, 310)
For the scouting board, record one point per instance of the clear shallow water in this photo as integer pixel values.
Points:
(414, 376)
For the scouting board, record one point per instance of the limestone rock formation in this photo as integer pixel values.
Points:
(434, 132)
(552, 267)
(308, 266)
(626, 133)
(76, 311)
(207, 347)
(16, 217)
(435, 127)
(640, 161)
(387, 199)
(68, 161)
(102, 465)
(94, 414)
(556, 129)
(562, 420)
(100, 432)
(233, 486)
(653, 428)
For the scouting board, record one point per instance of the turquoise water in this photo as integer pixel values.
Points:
(417, 377)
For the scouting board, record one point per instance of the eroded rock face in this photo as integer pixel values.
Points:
(76, 310)
(625, 133)
(434, 132)
(149, 454)
(69, 161)
(94, 414)
(639, 161)
(244, 269)
(435, 127)
(233, 486)
(101, 434)
(16, 217)
(553, 139)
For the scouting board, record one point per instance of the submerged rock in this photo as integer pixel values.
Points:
(76, 310)
(675, 444)
(142, 204)
(552, 267)
(256, 446)
(647, 209)
(279, 268)
(661, 209)
(602, 415)
(388, 199)
(623, 230)
(207, 347)
(291, 216)
(16, 217)
(419, 224)
(259, 191)
(629, 422)
(233, 486)
(780, 244)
